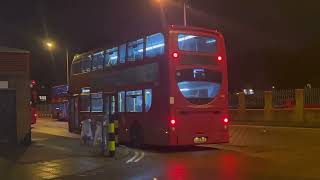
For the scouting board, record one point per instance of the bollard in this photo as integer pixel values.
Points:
(111, 137)
(116, 132)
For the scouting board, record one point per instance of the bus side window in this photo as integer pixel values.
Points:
(113, 104)
(122, 53)
(148, 99)
(155, 45)
(76, 67)
(121, 101)
(86, 64)
(111, 57)
(96, 102)
(134, 101)
(97, 61)
(135, 50)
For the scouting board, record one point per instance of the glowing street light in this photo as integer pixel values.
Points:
(185, 4)
(49, 45)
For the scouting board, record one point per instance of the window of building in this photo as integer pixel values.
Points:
(76, 67)
(155, 45)
(148, 99)
(122, 49)
(96, 102)
(135, 50)
(85, 103)
(97, 61)
(111, 57)
(121, 101)
(134, 101)
(86, 64)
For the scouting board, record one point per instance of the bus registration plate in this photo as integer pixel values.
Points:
(199, 140)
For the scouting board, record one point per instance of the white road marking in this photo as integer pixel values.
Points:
(136, 154)
(139, 158)
(39, 139)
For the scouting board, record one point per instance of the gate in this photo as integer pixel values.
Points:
(8, 130)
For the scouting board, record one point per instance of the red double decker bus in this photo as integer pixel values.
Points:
(59, 102)
(169, 88)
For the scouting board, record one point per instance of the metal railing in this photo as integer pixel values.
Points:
(283, 98)
(312, 97)
(233, 101)
(255, 101)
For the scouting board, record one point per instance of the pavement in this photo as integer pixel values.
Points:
(254, 152)
(54, 153)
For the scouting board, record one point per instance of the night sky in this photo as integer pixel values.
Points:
(274, 42)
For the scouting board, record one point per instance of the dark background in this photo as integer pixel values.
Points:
(274, 42)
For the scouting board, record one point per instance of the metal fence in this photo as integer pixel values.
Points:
(44, 110)
(283, 98)
(43, 107)
(255, 101)
(312, 97)
(233, 101)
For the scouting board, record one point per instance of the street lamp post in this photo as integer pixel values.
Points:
(67, 65)
(50, 46)
(185, 5)
(185, 13)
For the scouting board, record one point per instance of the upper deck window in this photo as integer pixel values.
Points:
(86, 64)
(155, 45)
(187, 42)
(135, 50)
(97, 62)
(76, 67)
(111, 57)
(122, 53)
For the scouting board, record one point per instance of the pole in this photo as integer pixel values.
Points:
(185, 14)
(67, 65)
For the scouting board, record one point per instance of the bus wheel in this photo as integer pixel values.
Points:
(136, 136)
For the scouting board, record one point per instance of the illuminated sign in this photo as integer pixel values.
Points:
(43, 98)
(85, 90)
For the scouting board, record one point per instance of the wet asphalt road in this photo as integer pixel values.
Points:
(195, 163)
(286, 159)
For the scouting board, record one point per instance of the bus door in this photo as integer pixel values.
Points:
(109, 105)
(109, 100)
(74, 112)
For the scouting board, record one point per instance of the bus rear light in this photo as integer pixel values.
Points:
(172, 122)
(175, 55)
(219, 58)
(33, 82)
(226, 120)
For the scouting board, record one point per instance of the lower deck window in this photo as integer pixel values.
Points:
(96, 102)
(148, 99)
(85, 103)
(134, 101)
(121, 103)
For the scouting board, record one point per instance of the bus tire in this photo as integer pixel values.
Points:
(136, 136)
